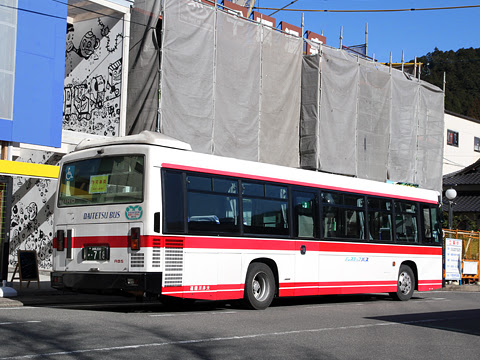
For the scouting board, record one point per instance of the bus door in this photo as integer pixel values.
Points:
(306, 245)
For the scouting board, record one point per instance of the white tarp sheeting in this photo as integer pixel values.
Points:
(230, 86)
(236, 88)
(361, 119)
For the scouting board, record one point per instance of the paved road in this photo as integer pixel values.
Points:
(433, 325)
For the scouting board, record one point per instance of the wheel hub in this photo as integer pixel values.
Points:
(256, 288)
(405, 283)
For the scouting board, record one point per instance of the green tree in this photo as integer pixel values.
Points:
(462, 68)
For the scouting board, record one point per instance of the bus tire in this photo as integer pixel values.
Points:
(405, 284)
(259, 286)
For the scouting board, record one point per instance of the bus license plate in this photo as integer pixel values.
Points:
(96, 253)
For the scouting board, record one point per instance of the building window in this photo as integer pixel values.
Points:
(476, 144)
(452, 138)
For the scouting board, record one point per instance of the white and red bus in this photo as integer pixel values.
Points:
(145, 214)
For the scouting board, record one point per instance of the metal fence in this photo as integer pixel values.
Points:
(470, 253)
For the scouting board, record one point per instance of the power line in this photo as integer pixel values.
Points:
(100, 13)
(283, 8)
(87, 10)
(67, 4)
(366, 11)
(32, 12)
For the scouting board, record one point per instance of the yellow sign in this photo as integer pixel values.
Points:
(28, 169)
(98, 184)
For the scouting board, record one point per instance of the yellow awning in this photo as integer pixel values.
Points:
(29, 169)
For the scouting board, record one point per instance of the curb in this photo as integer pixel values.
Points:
(9, 302)
(461, 288)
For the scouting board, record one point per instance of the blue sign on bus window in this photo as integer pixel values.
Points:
(69, 172)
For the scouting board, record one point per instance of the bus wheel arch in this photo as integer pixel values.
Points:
(261, 284)
(407, 281)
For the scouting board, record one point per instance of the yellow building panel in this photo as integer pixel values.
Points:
(29, 169)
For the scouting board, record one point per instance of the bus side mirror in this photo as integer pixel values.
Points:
(156, 222)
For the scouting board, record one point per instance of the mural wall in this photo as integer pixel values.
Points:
(93, 74)
(31, 226)
(91, 104)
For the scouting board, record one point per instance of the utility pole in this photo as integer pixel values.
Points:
(252, 4)
(341, 37)
(366, 39)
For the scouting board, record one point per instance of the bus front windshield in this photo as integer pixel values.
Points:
(100, 181)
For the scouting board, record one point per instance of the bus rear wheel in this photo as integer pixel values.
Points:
(259, 286)
(405, 284)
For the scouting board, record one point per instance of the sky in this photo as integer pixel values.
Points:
(414, 32)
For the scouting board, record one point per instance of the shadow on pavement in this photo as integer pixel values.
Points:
(461, 321)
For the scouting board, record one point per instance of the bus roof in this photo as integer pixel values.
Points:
(219, 165)
(145, 137)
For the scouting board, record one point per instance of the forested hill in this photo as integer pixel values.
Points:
(462, 67)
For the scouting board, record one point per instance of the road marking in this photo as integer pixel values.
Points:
(218, 339)
(101, 305)
(333, 305)
(17, 307)
(18, 322)
(194, 313)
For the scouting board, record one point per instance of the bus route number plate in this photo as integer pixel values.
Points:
(96, 252)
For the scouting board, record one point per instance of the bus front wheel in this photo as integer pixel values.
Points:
(259, 286)
(405, 284)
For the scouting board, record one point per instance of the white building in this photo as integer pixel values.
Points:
(462, 142)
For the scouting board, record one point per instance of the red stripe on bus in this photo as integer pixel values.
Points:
(236, 291)
(338, 283)
(290, 182)
(323, 246)
(201, 242)
(206, 292)
(426, 285)
(115, 241)
(336, 287)
(239, 244)
(112, 241)
(430, 282)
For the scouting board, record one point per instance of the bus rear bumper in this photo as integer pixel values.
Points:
(104, 282)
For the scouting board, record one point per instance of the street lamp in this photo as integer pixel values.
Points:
(451, 194)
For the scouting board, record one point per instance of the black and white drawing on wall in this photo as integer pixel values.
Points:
(31, 224)
(93, 76)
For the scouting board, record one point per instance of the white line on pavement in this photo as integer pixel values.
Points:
(18, 322)
(217, 339)
(194, 313)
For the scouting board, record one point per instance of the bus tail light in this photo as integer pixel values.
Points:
(135, 238)
(60, 240)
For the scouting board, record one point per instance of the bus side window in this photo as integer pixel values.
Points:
(427, 225)
(436, 225)
(265, 208)
(304, 206)
(343, 215)
(173, 202)
(431, 225)
(406, 221)
(212, 204)
(380, 219)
